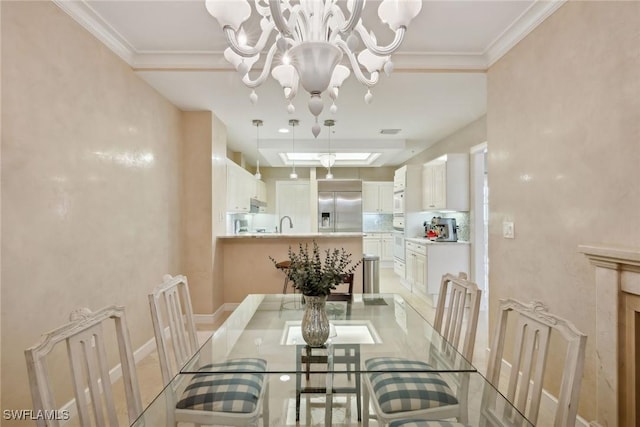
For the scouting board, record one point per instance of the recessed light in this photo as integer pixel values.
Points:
(390, 131)
(283, 130)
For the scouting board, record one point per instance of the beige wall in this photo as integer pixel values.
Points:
(90, 185)
(460, 141)
(563, 124)
(197, 254)
(219, 205)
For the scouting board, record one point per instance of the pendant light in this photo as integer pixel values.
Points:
(257, 123)
(331, 157)
(293, 123)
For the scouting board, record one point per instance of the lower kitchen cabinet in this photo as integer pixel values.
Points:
(380, 244)
(427, 262)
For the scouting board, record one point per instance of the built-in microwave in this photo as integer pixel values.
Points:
(398, 203)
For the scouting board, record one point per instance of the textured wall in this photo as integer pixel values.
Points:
(90, 186)
(563, 124)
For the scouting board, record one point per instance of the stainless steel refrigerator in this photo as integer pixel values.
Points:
(339, 206)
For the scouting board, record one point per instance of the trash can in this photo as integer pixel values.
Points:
(370, 274)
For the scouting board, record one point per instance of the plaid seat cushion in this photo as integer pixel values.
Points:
(386, 364)
(407, 391)
(425, 423)
(236, 392)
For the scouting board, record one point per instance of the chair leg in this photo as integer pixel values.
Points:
(265, 405)
(358, 396)
(365, 406)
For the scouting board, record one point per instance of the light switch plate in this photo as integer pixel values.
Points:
(507, 230)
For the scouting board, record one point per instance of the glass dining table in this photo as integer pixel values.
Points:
(323, 385)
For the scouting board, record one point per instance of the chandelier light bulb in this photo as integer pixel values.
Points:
(293, 175)
(329, 175)
(253, 97)
(291, 109)
(333, 108)
(315, 130)
(313, 37)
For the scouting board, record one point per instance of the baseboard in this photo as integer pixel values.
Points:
(547, 401)
(201, 319)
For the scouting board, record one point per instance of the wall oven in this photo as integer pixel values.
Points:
(398, 245)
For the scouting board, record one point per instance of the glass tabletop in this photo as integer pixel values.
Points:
(484, 404)
(376, 329)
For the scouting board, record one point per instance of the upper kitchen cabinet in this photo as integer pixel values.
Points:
(377, 197)
(242, 186)
(445, 183)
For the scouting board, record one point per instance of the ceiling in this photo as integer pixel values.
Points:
(438, 86)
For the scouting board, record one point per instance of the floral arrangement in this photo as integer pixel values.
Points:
(313, 276)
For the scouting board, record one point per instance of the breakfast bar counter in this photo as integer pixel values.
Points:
(248, 269)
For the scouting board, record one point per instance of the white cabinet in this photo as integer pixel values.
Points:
(386, 243)
(371, 245)
(380, 244)
(416, 266)
(260, 192)
(377, 197)
(240, 188)
(400, 179)
(426, 263)
(293, 198)
(445, 183)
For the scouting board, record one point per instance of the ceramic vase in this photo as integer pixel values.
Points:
(315, 323)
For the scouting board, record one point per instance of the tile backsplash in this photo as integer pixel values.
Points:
(372, 223)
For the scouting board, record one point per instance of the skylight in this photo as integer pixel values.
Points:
(342, 159)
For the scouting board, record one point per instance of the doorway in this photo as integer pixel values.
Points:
(480, 221)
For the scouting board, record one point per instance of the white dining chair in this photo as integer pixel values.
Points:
(228, 398)
(85, 341)
(428, 395)
(532, 326)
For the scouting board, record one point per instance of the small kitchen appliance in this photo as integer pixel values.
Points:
(446, 230)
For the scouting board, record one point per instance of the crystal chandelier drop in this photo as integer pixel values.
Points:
(311, 37)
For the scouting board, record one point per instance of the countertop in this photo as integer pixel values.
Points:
(432, 242)
(291, 235)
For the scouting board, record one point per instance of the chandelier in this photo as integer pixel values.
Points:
(311, 37)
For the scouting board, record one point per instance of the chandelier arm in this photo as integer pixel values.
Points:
(358, 6)
(265, 70)
(381, 50)
(355, 66)
(278, 18)
(300, 21)
(232, 40)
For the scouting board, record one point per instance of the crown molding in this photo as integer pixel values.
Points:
(520, 28)
(84, 15)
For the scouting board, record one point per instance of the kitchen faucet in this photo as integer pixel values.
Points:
(290, 222)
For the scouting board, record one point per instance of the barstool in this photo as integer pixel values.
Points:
(284, 267)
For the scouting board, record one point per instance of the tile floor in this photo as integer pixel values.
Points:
(283, 413)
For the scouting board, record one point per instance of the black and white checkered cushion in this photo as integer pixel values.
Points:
(425, 423)
(236, 392)
(411, 390)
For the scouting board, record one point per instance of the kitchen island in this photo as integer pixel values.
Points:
(248, 269)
